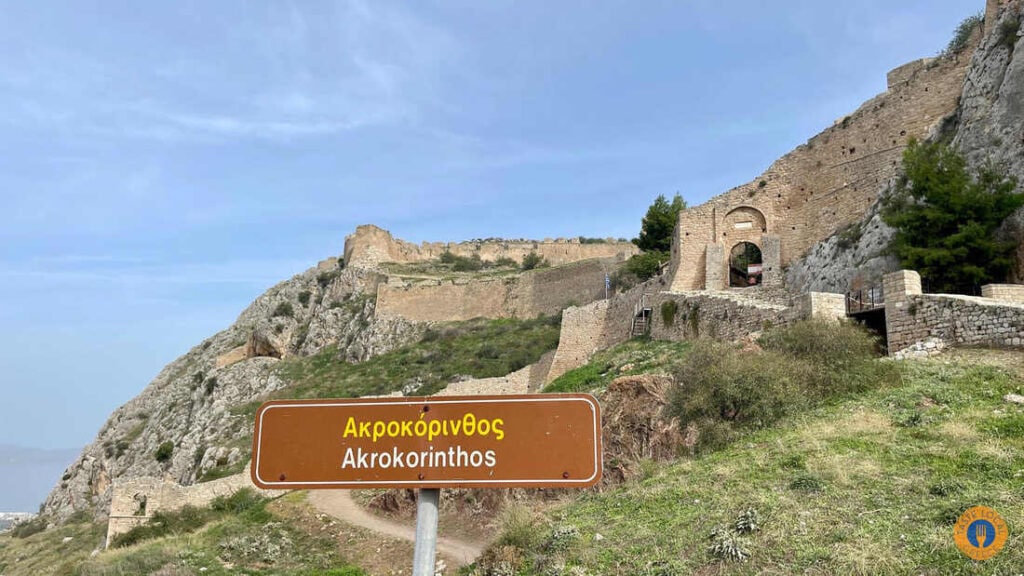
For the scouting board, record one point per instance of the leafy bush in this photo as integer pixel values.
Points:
(211, 383)
(962, 34)
(646, 265)
(723, 390)
(533, 260)
(283, 309)
(1008, 30)
(849, 236)
(841, 356)
(506, 262)
(324, 279)
(164, 451)
(669, 309)
(304, 297)
(470, 264)
(585, 240)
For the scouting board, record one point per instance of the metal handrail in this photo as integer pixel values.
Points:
(865, 300)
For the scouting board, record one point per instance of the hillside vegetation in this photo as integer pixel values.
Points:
(866, 476)
(474, 349)
(241, 534)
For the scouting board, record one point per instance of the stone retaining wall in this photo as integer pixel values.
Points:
(912, 317)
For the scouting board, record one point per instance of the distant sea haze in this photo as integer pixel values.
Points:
(28, 474)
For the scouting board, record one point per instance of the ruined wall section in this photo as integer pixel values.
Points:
(726, 316)
(912, 317)
(543, 291)
(135, 500)
(370, 245)
(831, 181)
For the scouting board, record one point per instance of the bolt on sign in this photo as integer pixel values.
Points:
(520, 441)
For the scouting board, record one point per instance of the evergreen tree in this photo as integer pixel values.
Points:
(945, 219)
(659, 223)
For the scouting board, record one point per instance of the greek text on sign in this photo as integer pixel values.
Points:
(533, 440)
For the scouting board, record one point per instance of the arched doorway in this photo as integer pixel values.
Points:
(745, 265)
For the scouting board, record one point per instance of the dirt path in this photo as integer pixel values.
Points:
(339, 503)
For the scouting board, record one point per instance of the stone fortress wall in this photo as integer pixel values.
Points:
(370, 245)
(541, 291)
(820, 187)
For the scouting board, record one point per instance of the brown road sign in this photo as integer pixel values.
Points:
(532, 440)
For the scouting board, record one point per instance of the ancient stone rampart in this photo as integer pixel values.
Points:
(720, 315)
(820, 187)
(134, 501)
(912, 317)
(542, 291)
(370, 245)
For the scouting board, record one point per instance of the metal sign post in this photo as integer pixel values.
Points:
(423, 558)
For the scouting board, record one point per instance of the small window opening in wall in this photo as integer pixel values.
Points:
(853, 150)
(745, 265)
(794, 227)
(903, 132)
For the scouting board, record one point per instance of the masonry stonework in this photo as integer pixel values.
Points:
(912, 317)
(721, 315)
(543, 291)
(1013, 293)
(822, 186)
(370, 245)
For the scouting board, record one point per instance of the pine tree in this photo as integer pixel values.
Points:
(946, 219)
(659, 223)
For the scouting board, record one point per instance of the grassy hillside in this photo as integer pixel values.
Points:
(243, 534)
(474, 349)
(477, 349)
(868, 484)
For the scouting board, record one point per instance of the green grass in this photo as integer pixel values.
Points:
(845, 488)
(239, 535)
(47, 552)
(637, 356)
(478, 348)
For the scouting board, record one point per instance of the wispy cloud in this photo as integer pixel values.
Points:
(287, 72)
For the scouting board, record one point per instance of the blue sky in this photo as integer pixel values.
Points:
(162, 164)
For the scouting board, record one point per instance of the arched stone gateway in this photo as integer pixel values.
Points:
(745, 265)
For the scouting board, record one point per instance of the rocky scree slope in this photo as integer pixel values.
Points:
(988, 126)
(182, 426)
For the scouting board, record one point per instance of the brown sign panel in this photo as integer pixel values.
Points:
(532, 440)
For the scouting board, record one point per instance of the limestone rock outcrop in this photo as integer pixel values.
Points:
(197, 402)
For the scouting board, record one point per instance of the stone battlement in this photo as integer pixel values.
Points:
(370, 245)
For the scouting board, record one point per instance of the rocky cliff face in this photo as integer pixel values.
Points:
(187, 422)
(988, 126)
